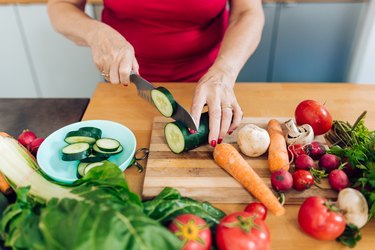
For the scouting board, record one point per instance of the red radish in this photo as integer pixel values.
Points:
(338, 179)
(34, 146)
(329, 162)
(304, 162)
(302, 179)
(281, 180)
(26, 137)
(295, 150)
(315, 150)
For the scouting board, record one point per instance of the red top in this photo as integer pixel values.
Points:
(174, 40)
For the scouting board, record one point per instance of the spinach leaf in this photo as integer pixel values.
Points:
(169, 204)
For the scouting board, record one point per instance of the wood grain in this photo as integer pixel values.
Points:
(195, 174)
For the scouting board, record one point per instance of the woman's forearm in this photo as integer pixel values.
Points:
(68, 18)
(242, 36)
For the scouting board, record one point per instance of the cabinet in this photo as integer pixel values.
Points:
(310, 42)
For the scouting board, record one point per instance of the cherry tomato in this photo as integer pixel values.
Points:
(257, 208)
(315, 114)
(193, 231)
(302, 179)
(295, 150)
(320, 219)
(242, 230)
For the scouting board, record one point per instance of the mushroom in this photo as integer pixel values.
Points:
(303, 134)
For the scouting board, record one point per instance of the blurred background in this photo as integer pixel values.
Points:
(303, 41)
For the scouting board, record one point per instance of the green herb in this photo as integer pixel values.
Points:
(350, 236)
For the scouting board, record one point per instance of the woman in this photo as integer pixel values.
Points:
(204, 41)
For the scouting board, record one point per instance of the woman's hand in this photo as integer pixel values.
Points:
(112, 54)
(215, 89)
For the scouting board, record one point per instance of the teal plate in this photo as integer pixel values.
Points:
(65, 172)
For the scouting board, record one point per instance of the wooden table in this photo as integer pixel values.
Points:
(344, 101)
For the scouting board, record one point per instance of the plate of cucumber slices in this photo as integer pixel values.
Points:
(71, 151)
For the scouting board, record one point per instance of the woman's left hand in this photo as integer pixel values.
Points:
(215, 89)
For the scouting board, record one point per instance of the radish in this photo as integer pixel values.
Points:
(304, 162)
(295, 150)
(34, 146)
(315, 150)
(281, 180)
(354, 206)
(329, 162)
(26, 137)
(338, 179)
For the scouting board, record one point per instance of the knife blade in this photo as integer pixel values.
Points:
(144, 88)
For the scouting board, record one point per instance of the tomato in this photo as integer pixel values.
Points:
(296, 150)
(257, 208)
(320, 219)
(242, 230)
(302, 179)
(193, 231)
(315, 114)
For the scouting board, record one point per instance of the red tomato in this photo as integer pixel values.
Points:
(302, 179)
(315, 114)
(242, 230)
(296, 150)
(257, 208)
(193, 231)
(320, 219)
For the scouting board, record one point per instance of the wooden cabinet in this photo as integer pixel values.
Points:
(310, 42)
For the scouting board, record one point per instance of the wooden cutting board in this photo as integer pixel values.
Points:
(196, 175)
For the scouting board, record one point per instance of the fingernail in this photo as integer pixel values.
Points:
(230, 132)
(213, 143)
(219, 140)
(192, 131)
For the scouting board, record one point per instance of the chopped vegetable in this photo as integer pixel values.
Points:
(75, 151)
(163, 101)
(253, 140)
(303, 134)
(227, 157)
(277, 151)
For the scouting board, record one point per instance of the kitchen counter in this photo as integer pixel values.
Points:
(344, 101)
(42, 116)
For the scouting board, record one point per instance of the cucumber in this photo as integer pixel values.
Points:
(179, 138)
(93, 130)
(81, 169)
(163, 101)
(107, 144)
(93, 158)
(91, 166)
(100, 153)
(76, 151)
(80, 136)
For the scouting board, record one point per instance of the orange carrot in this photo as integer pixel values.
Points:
(4, 185)
(277, 151)
(227, 157)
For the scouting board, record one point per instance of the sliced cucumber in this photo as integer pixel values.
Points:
(179, 138)
(107, 144)
(91, 166)
(93, 158)
(81, 169)
(76, 151)
(98, 152)
(92, 130)
(80, 136)
(164, 101)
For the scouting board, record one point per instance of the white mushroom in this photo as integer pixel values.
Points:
(303, 134)
(253, 140)
(354, 206)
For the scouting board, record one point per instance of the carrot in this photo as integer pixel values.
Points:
(227, 157)
(4, 185)
(277, 151)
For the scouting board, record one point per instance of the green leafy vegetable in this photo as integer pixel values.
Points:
(169, 204)
(350, 236)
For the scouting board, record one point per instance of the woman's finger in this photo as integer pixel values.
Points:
(214, 112)
(237, 117)
(199, 100)
(226, 118)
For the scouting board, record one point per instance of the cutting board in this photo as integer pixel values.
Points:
(196, 175)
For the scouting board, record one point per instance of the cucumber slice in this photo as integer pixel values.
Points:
(179, 138)
(93, 130)
(93, 158)
(76, 151)
(80, 136)
(107, 144)
(164, 101)
(81, 169)
(91, 166)
(102, 153)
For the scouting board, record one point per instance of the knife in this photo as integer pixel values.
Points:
(144, 88)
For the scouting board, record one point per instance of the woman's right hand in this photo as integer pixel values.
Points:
(112, 54)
